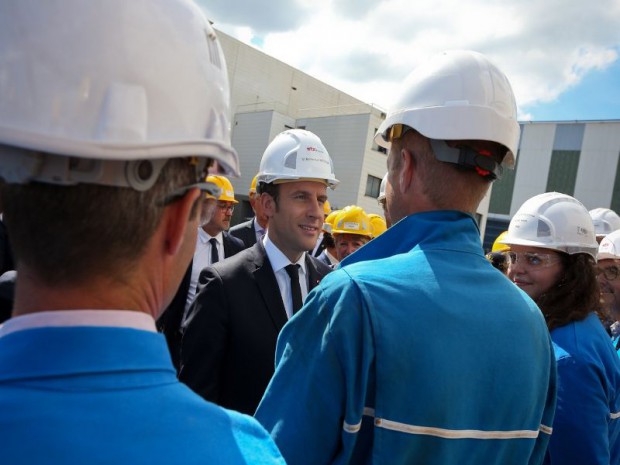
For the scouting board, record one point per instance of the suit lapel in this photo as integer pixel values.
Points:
(268, 287)
(314, 276)
(227, 246)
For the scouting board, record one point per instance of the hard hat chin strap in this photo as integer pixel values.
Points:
(480, 160)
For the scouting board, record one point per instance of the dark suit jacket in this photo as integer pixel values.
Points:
(230, 334)
(170, 320)
(246, 232)
(6, 255)
(7, 292)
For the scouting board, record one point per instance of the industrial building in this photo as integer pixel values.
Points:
(578, 158)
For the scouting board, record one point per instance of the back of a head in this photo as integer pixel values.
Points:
(93, 110)
(457, 100)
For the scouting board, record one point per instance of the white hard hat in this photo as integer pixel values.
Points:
(605, 221)
(553, 221)
(382, 187)
(296, 154)
(610, 246)
(106, 80)
(458, 95)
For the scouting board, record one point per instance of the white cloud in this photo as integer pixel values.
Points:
(367, 48)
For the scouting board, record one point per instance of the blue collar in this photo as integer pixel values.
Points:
(428, 230)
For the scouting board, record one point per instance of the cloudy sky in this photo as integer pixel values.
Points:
(561, 56)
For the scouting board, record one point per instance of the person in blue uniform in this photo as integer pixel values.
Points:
(552, 256)
(112, 113)
(409, 352)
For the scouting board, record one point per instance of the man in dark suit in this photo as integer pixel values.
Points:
(212, 245)
(255, 228)
(230, 334)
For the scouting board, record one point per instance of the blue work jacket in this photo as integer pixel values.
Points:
(102, 395)
(586, 429)
(416, 351)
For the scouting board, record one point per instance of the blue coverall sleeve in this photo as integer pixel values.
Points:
(322, 361)
(580, 429)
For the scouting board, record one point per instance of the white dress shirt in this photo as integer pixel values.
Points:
(258, 230)
(109, 318)
(278, 261)
(202, 259)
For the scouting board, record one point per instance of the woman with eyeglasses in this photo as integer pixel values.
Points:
(552, 258)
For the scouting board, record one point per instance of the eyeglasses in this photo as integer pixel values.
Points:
(225, 206)
(609, 273)
(533, 260)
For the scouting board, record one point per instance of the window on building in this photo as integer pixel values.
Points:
(373, 185)
(376, 147)
(563, 171)
(503, 190)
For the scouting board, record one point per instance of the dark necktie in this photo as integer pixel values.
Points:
(293, 272)
(215, 257)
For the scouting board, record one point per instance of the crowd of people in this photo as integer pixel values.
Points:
(141, 327)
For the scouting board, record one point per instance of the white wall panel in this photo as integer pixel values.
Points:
(597, 164)
(533, 164)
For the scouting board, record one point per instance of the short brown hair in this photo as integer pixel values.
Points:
(467, 188)
(65, 234)
(271, 189)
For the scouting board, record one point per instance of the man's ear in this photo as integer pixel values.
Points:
(268, 204)
(178, 217)
(407, 171)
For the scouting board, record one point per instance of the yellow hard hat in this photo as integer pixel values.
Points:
(328, 224)
(228, 193)
(498, 246)
(327, 208)
(253, 185)
(379, 226)
(352, 220)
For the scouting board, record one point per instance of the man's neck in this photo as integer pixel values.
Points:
(211, 231)
(32, 295)
(292, 255)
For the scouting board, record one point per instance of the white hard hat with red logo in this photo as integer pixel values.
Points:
(296, 154)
